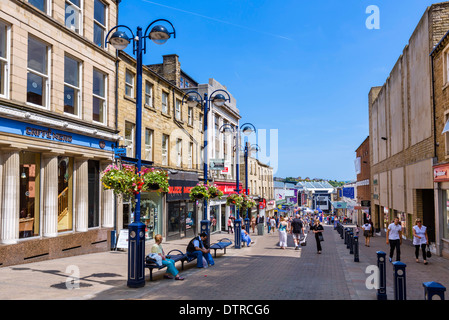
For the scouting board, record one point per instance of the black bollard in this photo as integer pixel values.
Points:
(356, 249)
(400, 288)
(346, 236)
(433, 289)
(341, 231)
(351, 242)
(381, 264)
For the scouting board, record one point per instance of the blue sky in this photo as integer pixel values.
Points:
(301, 68)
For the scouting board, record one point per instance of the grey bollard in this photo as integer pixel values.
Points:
(433, 289)
(400, 288)
(356, 249)
(382, 265)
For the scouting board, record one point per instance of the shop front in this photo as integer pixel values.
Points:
(183, 215)
(441, 183)
(52, 202)
(219, 212)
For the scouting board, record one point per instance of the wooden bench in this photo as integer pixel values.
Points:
(175, 255)
(221, 244)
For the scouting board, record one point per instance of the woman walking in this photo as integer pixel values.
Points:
(420, 239)
(367, 233)
(283, 233)
(318, 231)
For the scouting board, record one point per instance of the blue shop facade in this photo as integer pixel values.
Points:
(52, 203)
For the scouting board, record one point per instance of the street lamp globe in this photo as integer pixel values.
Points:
(219, 100)
(159, 34)
(248, 130)
(119, 40)
(192, 101)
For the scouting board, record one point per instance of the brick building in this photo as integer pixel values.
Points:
(439, 58)
(57, 128)
(363, 182)
(402, 136)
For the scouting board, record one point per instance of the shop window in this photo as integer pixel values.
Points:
(94, 194)
(65, 194)
(29, 194)
(151, 213)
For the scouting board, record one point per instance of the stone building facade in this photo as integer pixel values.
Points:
(57, 128)
(402, 136)
(172, 139)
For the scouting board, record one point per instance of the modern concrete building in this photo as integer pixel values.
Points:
(402, 132)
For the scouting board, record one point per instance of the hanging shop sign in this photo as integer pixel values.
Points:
(441, 173)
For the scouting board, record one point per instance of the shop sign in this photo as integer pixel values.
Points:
(180, 189)
(440, 173)
(217, 164)
(227, 188)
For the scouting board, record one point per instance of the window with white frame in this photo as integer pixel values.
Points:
(72, 86)
(149, 144)
(200, 122)
(99, 22)
(190, 116)
(179, 153)
(129, 139)
(129, 84)
(38, 76)
(99, 97)
(165, 149)
(164, 102)
(178, 110)
(148, 94)
(43, 5)
(4, 59)
(190, 155)
(73, 15)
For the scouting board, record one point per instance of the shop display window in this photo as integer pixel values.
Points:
(29, 194)
(65, 194)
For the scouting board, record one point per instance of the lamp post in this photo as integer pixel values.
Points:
(247, 129)
(120, 40)
(218, 99)
(248, 149)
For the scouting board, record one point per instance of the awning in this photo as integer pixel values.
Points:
(339, 204)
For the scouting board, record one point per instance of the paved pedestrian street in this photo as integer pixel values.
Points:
(260, 272)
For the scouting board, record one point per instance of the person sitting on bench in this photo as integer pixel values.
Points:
(171, 269)
(196, 249)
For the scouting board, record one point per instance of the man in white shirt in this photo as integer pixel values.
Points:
(394, 238)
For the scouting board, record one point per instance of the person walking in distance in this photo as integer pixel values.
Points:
(367, 233)
(420, 239)
(283, 233)
(318, 229)
(394, 239)
(296, 229)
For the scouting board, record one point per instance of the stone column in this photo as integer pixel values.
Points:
(81, 195)
(107, 202)
(50, 195)
(10, 202)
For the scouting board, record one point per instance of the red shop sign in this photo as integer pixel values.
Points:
(441, 173)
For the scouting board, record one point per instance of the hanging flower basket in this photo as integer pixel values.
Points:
(247, 202)
(199, 192)
(214, 192)
(155, 179)
(234, 199)
(128, 182)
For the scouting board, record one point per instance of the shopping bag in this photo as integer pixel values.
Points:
(303, 241)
